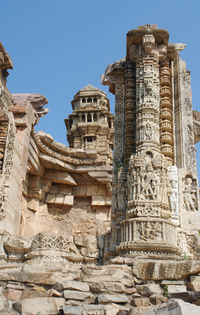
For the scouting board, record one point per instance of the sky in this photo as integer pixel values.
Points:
(60, 46)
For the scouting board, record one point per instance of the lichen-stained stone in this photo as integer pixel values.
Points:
(41, 272)
(188, 308)
(112, 298)
(194, 283)
(74, 285)
(112, 309)
(101, 201)
(108, 286)
(43, 305)
(140, 301)
(176, 288)
(93, 309)
(148, 289)
(97, 274)
(68, 200)
(160, 270)
(60, 177)
(12, 294)
(72, 310)
(157, 299)
(33, 204)
(3, 302)
(79, 295)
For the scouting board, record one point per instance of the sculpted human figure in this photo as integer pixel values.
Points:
(148, 131)
(150, 183)
(114, 198)
(189, 195)
(121, 195)
(174, 196)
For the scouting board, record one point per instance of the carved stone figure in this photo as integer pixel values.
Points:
(149, 183)
(149, 230)
(189, 195)
(173, 197)
(121, 195)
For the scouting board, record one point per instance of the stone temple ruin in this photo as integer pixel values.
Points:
(109, 224)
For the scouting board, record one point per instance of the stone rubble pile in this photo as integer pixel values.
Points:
(97, 290)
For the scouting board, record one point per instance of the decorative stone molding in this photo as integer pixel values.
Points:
(54, 247)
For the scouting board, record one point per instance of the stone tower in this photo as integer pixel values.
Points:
(90, 126)
(155, 191)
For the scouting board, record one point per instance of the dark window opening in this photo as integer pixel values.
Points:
(83, 117)
(95, 117)
(89, 100)
(95, 100)
(89, 139)
(89, 118)
(83, 100)
(109, 124)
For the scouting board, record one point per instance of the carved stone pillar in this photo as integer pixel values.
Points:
(157, 185)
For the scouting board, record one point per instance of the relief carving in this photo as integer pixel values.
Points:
(60, 246)
(173, 198)
(190, 194)
(121, 191)
(6, 167)
(150, 230)
(144, 182)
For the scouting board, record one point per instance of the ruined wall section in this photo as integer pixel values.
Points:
(64, 194)
(10, 156)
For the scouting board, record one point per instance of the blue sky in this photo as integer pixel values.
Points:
(59, 46)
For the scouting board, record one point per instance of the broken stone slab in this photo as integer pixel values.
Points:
(148, 289)
(108, 287)
(60, 177)
(173, 288)
(112, 309)
(140, 301)
(78, 295)
(72, 310)
(189, 296)
(30, 293)
(188, 308)
(169, 308)
(130, 290)
(73, 302)
(73, 285)
(40, 272)
(42, 305)
(112, 298)
(18, 306)
(164, 270)
(16, 286)
(3, 302)
(194, 283)
(93, 309)
(12, 294)
(114, 273)
(53, 292)
(35, 99)
(157, 299)
(9, 312)
(178, 282)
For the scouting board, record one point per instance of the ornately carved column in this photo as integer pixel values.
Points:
(156, 187)
(130, 111)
